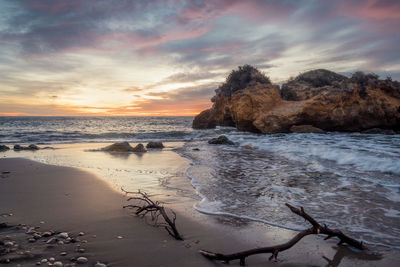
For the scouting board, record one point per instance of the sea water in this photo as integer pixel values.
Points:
(347, 180)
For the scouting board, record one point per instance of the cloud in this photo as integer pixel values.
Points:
(97, 51)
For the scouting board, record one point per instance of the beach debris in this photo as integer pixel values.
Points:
(81, 260)
(156, 210)
(274, 250)
(4, 148)
(220, 140)
(155, 145)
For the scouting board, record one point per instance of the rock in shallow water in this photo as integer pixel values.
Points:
(124, 147)
(139, 148)
(221, 140)
(155, 145)
(4, 148)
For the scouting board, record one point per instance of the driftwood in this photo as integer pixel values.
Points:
(274, 250)
(155, 209)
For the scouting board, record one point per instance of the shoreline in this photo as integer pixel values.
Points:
(223, 234)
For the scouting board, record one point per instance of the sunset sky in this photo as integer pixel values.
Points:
(103, 57)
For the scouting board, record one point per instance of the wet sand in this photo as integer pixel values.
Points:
(64, 199)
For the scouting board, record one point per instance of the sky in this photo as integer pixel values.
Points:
(163, 58)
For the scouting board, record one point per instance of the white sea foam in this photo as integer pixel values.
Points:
(350, 175)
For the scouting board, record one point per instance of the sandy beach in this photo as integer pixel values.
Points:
(64, 199)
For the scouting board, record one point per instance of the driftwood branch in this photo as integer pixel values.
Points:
(274, 250)
(144, 205)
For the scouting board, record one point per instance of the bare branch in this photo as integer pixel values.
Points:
(156, 210)
(274, 250)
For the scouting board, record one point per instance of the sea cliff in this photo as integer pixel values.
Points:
(315, 101)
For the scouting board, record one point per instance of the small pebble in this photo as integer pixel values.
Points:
(38, 263)
(37, 236)
(31, 240)
(81, 233)
(120, 237)
(81, 260)
(81, 250)
(63, 235)
(84, 241)
(58, 264)
(43, 261)
(63, 253)
(52, 240)
(42, 222)
(94, 236)
(52, 259)
(8, 244)
(60, 242)
(47, 234)
(31, 230)
(99, 264)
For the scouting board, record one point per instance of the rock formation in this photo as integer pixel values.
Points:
(31, 147)
(155, 145)
(124, 147)
(315, 101)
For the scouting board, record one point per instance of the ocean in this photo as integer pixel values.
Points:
(347, 180)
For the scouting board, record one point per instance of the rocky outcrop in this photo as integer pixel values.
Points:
(315, 101)
(124, 147)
